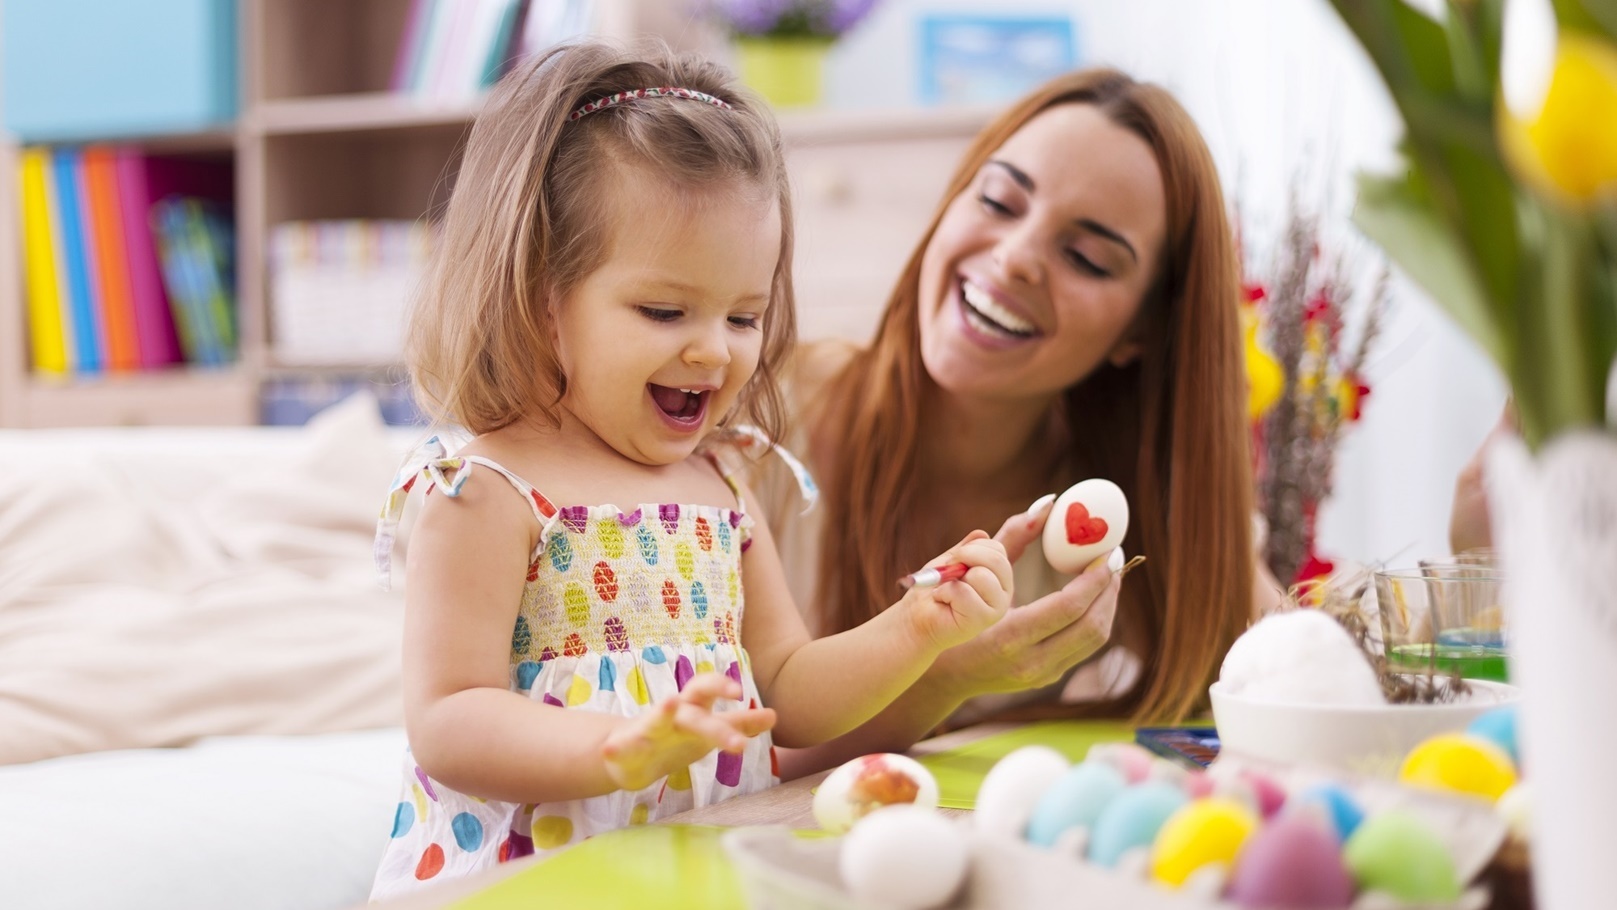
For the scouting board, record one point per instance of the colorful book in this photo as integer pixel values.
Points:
(111, 259)
(193, 245)
(88, 343)
(47, 334)
(410, 49)
(143, 181)
(502, 51)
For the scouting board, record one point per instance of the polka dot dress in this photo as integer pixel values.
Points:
(619, 611)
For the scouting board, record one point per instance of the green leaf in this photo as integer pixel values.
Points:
(1408, 48)
(1597, 16)
(1485, 200)
(1472, 74)
(1560, 374)
(1398, 216)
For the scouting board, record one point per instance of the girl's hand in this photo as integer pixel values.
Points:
(1034, 645)
(680, 730)
(955, 611)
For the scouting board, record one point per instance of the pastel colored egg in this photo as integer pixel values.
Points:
(1499, 727)
(1393, 852)
(1087, 521)
(1074, 801)
(1462, 763)
(870, 782)
(1199, 834)
(1334, 805)
(904, 857)
(1292, 862)
(1014, 786)
(1135, 761)
(1270, 795)
(1132, 820)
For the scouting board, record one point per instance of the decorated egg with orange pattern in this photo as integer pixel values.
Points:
(868, 783)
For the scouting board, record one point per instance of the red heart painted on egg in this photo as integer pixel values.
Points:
(1082, 529)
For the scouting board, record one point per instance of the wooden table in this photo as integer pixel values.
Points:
(788, 804)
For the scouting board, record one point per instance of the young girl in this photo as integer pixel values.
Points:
(611, 297)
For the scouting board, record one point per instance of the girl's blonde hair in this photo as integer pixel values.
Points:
(1176, 431)
(526, 223)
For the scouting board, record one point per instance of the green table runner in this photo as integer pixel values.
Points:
(960, 770)
(683, 866)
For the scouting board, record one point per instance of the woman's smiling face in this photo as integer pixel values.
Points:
(1037, 269)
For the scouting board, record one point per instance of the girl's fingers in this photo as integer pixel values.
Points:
(750, 722)
(704, 689)
(710, 729)
(987, 553)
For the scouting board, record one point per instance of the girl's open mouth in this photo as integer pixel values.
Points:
(682, 408)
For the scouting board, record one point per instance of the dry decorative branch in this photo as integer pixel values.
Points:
(1341, 598)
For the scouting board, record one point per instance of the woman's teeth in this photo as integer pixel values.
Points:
(988, 311)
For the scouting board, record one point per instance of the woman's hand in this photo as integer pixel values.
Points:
(680, 730)
(955, 611)
(1036, 644)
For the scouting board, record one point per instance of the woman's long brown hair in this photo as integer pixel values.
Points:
(1175, 440)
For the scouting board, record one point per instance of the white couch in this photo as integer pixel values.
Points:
(198, 672)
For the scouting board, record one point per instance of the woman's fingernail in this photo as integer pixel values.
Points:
(1113, 560)
(1040, 504)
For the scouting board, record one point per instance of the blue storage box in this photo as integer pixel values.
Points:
(95, 69)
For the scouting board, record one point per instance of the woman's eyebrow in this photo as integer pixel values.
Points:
(1088, 224)
(1017, 174)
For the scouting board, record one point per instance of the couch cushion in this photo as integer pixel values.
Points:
(161, 586)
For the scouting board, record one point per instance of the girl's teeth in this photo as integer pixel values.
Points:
(985, 305)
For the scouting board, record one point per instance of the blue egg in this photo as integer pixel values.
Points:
(1075, 800)
(1133, 819)
(1498, 726)
(1340, 808)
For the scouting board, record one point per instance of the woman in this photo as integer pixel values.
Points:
(1070, 313)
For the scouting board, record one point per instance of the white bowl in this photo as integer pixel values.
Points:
(1361, 739)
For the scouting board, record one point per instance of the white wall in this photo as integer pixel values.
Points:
(1279, 88)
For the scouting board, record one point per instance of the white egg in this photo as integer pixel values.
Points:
(904, 857)
(1087, 521)
(1014, 786)
(868, 783)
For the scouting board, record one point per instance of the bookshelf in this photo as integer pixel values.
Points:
(320, 136)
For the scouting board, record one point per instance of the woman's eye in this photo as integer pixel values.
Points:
(744, 322)
(1086, 265)
(994, 205)
(657, 314)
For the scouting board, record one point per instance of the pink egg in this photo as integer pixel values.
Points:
(1199, 784)
(1270, 795)
(1134, 761)
(1292, 862)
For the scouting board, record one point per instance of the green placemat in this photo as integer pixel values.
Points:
(960, 770)
(683, 866)
(671, 866)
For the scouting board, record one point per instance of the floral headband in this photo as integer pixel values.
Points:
(666, 91)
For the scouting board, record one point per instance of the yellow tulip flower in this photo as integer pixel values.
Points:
(1568, 147)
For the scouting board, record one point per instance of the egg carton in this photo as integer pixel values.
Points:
(780, 871)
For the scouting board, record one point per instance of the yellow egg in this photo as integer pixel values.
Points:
(1205, 831)
(1461, 763)
(1569, 146)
